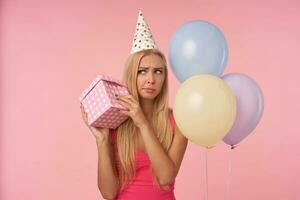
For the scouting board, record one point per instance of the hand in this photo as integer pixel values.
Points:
(133, 110)
(101, 134)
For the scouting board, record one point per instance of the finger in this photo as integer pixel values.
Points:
(86, 118)
(131, 98)
(84, 115)
(82, 108)
(83, 112)
(128, 98)
(124, 103)
(125, 112)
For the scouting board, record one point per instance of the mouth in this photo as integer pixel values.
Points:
(149, 90)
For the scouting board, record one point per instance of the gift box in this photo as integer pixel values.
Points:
(100, 103)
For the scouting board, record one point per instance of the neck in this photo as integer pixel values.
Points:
(147, 107)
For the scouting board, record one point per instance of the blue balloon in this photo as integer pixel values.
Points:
(197, 47)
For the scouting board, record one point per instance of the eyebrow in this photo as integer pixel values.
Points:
(148, 67)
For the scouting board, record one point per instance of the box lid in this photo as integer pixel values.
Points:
(94, 83)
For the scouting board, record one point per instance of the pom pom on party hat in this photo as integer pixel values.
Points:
(143, 38)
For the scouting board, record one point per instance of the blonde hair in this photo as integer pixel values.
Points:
(127, 131)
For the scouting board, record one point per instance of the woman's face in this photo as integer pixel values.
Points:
(151, 76)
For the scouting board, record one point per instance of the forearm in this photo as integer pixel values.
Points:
(107, 179)
(162, 165)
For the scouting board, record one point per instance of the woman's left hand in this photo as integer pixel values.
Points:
(133, 109)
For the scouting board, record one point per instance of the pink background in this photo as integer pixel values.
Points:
(51, 50)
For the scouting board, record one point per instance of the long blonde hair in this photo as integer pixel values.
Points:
(127, 131)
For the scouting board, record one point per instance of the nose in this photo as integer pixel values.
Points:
(150, 78)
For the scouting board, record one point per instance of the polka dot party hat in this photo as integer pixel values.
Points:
(143, 37)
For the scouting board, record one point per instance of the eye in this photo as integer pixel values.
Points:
(160, 71)
(140, 71)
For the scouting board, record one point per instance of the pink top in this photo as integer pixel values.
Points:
(142, 186)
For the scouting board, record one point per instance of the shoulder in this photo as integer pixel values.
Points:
(175, 128)
(113, 134)
(171, 113)
(172, 120)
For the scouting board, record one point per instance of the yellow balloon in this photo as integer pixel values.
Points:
(204, 109)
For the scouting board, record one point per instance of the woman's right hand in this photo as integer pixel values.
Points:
(101, 134)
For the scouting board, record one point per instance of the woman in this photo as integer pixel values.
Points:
(142, 157)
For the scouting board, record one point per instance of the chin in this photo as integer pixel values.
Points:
(148, 96)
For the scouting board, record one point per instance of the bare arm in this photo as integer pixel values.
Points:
(165, 165)
(107, 178)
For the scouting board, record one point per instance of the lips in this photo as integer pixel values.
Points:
(149, 89)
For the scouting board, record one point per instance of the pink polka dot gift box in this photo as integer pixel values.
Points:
(99, 101)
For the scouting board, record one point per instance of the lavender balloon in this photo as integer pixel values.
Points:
(250, 106)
